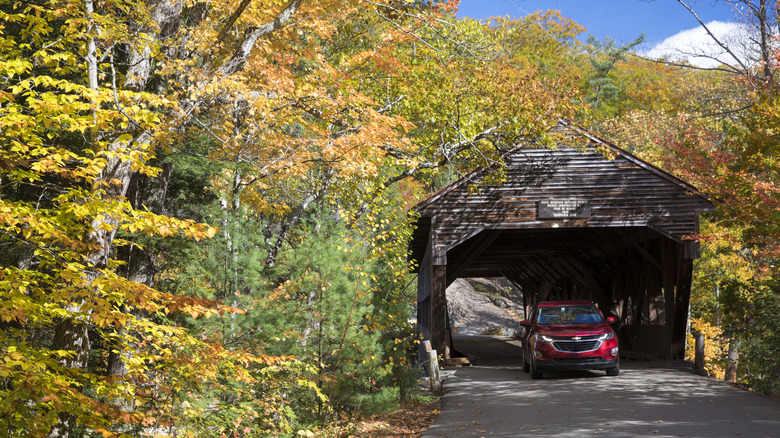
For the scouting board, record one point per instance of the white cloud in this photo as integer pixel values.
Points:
(697, 46)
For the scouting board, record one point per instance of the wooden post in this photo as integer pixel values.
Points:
(698, 361)
(439, 310)
(681, 304)
(433, 372)
(434, 378)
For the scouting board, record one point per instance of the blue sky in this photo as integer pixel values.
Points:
(623, 20)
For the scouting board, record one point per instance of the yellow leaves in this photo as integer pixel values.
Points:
(56, 129)
(12, 357)
(14, 66)
(715, 347)
(106, 316)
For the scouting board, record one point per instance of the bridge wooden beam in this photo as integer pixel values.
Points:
(473, 252)
(681, 304)
(439, 311)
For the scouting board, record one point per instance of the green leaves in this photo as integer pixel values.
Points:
(604, 92)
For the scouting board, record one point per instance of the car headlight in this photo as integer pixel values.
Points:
(606, 336)
(543, 338)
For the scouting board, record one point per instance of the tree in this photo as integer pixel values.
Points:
(355, 131)
(94, 96)
(760, 16)
(75, 133)
(603, 92)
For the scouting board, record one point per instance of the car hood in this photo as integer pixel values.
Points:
(573, 329)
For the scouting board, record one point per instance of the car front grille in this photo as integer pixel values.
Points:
(576, 346)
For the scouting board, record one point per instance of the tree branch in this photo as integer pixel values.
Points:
(237, 61)
(232, 20)
(730, 70)
(722, 45)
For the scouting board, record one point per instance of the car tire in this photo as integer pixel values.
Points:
(614, 371)
(535, 374)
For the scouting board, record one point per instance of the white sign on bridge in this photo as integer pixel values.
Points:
(564, 209)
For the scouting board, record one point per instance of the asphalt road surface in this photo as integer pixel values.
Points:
(495, 398)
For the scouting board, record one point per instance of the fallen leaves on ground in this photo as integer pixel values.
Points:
(409, 421)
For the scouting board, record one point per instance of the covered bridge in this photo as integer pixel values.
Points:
(586, 220)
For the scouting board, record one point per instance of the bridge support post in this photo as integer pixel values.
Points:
(439, 311)
(681, 304)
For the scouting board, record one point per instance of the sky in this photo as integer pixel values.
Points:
(668, 27)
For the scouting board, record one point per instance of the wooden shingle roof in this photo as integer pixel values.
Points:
(573, 187)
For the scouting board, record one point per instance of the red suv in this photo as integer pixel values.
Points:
(569, 335)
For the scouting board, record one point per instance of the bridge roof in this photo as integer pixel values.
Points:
(577, 201)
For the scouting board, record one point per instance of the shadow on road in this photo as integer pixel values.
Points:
(661, 399)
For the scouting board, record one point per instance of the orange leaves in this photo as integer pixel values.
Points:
(197, 307)
(733, 167)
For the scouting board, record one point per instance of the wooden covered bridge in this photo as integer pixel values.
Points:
(586, 220)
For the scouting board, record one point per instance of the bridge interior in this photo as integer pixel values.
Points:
(578, 263)
(630, 272)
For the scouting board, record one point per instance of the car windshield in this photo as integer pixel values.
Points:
(576, 314)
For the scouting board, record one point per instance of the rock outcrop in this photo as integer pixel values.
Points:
(482, 306)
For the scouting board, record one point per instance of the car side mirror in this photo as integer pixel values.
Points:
(525, 323)
(611, 320)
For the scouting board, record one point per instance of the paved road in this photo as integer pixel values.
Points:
(495, 398)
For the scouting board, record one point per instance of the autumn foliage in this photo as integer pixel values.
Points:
(203, 205)
(298, 110)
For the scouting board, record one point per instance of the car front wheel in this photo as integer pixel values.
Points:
(614, 371)
(535, 374)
